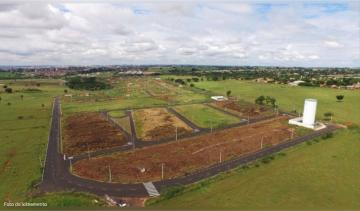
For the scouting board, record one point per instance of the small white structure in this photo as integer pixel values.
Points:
(296, 83)
(308, 118)
(218, 98)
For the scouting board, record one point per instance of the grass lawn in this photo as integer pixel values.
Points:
(117, 113)
(323, 175)
(290, 98)
(205, 116)
(69, 199)
(24, 134)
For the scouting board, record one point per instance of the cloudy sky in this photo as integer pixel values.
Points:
(309, 33)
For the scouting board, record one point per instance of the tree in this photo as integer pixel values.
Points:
(65, 91)
(340, 97)
(42, 105)
(260, 100)
(22, 97)
(8, 90)
(191, 85)
(228, 93)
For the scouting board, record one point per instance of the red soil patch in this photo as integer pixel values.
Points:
(6, 165)
(90, 131)
(181, 158)
(241, 108)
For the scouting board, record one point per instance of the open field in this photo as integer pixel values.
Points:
(24, 127)
(157, 123)
(186, 156)
(243, 109)
(292, 98)
(87, 132)
(321, 174)
(205, 116)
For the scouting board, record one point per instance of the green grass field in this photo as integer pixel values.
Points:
(24, 134)
(323, 175)
(205, 116)
(290, 98)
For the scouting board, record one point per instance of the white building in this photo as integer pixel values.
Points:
(218, 98)
(308, 118)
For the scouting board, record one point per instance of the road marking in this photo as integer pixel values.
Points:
(151, 189)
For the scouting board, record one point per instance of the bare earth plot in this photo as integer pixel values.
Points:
(242, 109)
(157, 123)
(90, 132)
(183, 157)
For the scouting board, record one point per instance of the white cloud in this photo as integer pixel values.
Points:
(332, 44)
(240, 33)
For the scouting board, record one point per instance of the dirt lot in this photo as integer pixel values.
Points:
(89, 131)
(186, 156)
(157, 123)
(242, 109)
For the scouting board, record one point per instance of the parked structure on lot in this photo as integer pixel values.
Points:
(218, 98)
(308, 118)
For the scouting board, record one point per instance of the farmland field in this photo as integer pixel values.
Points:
(187, 155)
(205, 116)
(157, 123)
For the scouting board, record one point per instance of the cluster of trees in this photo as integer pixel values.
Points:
(87, 83)
(262, 100)
(185, 81)
(7, 89)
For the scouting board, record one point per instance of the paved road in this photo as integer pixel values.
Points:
(57, 176)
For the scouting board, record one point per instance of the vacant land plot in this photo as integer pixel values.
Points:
(157, 123)
(242, 109)
(123, 122)
(172, 93)
(185, 156)
(90, 132)
(205, 116)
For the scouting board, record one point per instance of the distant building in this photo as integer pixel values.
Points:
(296, 83)
(218, 98)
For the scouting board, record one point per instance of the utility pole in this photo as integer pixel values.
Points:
(211, 127)
(176, 133)
(162, 171)
(88, 151)
(71, 168)
(220, 157)
(109, 173)
(262, 140)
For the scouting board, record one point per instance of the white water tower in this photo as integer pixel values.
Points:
(308, 118)
(309, 111)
